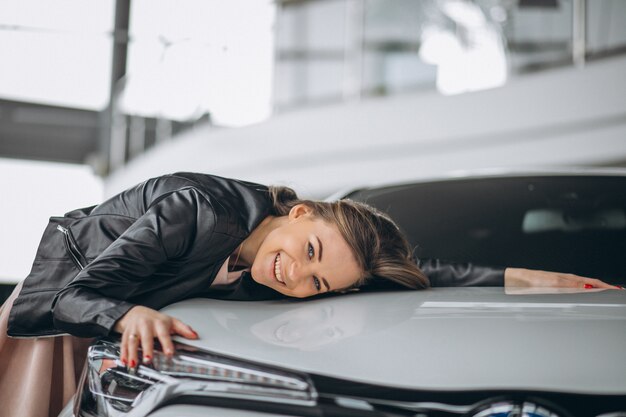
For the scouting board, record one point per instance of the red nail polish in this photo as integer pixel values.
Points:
(123, 360)
(587, 286)
(132, 363)
(147, 356)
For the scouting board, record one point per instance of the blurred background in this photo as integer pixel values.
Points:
(320, 95)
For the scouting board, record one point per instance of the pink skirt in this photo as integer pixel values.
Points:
(39, 375)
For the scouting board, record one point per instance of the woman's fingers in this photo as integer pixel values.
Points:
(596, 283)
(163, 333)
(519, 277)
(124, 349)
(139, 327)
(133, 345)
(577, 281)
(183, 329)
(147, 345)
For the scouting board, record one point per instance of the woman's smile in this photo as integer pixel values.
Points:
(277, 270)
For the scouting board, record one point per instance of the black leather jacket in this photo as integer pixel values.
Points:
(157, 243)
(454, 274)
(154, 244)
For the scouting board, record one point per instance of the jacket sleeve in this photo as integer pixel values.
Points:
(447, 274)
(97, 297)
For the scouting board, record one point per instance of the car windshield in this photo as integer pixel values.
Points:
(572, 224)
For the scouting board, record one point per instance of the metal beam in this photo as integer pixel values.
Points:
(118, 71)
(49, 133)
(579, 35)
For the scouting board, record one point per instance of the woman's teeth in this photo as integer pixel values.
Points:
(277, 273)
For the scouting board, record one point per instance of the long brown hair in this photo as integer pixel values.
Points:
(379, 247)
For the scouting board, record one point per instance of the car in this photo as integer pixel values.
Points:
(455, 351)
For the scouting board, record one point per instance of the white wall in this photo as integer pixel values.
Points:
(32, 191)
(562, 117)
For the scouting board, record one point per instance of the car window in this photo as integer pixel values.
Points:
(566, 223)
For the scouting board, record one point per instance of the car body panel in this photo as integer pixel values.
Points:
(438, 339)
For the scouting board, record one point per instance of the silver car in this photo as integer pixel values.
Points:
(457, 351)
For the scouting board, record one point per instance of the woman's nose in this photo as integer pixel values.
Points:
(299, 273)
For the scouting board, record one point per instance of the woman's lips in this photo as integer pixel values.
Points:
(276, 270)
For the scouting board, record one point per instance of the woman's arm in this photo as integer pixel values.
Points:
(449, 274)
(95, 301)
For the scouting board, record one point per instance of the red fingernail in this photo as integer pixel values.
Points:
(123, 360)
(133, 363)
(587, 286)
(147, 356)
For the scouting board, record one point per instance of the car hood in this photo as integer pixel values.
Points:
(440, 339)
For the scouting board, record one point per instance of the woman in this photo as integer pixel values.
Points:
(110, 267)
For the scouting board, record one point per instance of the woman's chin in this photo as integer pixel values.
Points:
(268, 281)
(259, 278)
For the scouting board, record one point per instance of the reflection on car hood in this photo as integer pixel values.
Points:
(447, 338)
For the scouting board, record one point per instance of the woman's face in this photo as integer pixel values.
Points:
(305, 256)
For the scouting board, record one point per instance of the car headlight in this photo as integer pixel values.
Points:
(110, 389)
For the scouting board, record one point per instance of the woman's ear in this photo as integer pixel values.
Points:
(300, 210)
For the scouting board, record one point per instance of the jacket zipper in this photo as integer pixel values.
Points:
(71, 247)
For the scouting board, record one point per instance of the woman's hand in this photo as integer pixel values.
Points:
(520, 277)
(140, 325)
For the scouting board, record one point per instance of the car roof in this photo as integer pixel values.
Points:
(486, 173)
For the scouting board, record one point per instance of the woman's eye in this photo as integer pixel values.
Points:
(316, 282)
(311, 251)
